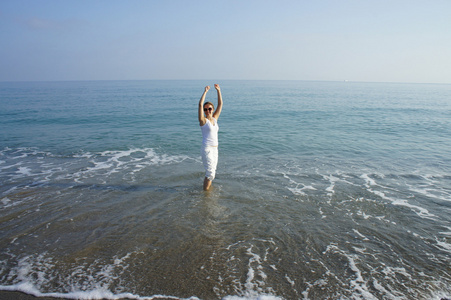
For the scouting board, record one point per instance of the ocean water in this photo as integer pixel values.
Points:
(324, 190)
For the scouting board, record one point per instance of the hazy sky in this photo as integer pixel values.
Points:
(356, 40)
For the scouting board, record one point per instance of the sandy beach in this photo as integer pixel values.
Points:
(7, 295)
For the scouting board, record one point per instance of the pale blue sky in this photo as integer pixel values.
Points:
(356, 40)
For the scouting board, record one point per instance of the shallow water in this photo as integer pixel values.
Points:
(324, 190)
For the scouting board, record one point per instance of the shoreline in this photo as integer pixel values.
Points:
(17, 295)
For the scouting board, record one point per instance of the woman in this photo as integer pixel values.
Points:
(209, 125)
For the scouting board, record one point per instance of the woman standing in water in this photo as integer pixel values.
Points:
(209, 125)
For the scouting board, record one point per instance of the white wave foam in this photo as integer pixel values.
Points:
(331, 189)
(255, 280)
(100, 294)
(5, 201)
(132, 160)
(393, 271)
(299, 187)
(443, 245)
(33, 273)
(360, 235)
(368, 180)
(85, 165)
(9, 203)
(11, 166)
(300, 190)
(256, 297)
(358, 283)
(433, 192)
(387, 294)
(448, 233)
(255, 286)
(420, 211)
(24, 171)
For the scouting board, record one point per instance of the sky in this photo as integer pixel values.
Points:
(335, 40)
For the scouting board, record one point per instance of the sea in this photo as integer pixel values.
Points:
(324, 190)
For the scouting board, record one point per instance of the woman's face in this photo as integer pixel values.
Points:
(208, 109)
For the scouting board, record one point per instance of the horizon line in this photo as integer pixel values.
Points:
(306, 80)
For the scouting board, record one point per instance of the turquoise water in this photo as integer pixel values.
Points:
(335, 190)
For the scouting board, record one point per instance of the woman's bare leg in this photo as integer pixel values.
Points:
(207, 184)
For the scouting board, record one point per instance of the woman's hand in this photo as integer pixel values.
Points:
(217, 87)
(207, 88)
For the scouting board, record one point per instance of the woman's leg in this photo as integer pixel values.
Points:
(207, 184)
(210, 160)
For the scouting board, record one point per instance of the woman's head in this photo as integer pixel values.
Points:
(209, 107)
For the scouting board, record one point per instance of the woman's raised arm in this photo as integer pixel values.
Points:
(219, 108)
(202, 120)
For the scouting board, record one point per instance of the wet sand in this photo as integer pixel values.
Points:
(8, 295)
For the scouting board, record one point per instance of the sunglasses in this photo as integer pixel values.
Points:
(208, 109)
